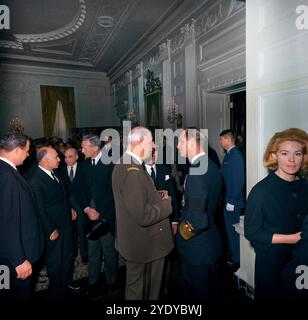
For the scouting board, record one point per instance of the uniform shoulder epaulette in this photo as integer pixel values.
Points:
(129, 169)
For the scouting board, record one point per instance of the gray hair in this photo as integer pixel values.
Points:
(93, 140)
(11, 141)
(137, 134)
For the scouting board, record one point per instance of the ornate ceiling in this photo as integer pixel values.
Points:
(70, 33)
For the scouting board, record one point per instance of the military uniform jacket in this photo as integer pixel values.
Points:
(143, 232)
(202, 192)
(233, 173)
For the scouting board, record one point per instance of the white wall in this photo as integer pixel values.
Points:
(221, 62)
(277, 76)
(20, 96)
(277, 89)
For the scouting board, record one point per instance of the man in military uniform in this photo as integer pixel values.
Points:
(199, 245)
(143, 235)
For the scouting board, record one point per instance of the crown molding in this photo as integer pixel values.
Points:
(52, 72)
(47, 60)
(160, 32)
(214, 14)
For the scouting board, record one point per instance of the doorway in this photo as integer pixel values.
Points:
(238, 118)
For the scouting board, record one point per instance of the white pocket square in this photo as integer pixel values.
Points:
(167, 177)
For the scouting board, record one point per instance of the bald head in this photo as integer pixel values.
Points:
(47, 158)
(140, 142)
(137, 134)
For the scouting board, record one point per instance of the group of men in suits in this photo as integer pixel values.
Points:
(136, 202)
(36, 220)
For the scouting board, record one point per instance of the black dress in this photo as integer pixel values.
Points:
(274, 205)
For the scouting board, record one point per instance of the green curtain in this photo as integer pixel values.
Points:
(49, 97)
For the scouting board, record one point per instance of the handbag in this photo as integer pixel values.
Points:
(96, 229)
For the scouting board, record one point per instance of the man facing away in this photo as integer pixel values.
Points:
(143, 236)
(233, 173)
(21, 236)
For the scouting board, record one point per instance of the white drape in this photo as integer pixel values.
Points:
(60, 128)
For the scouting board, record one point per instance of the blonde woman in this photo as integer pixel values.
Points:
(275, 210)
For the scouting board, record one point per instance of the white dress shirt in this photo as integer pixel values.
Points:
(49, 173)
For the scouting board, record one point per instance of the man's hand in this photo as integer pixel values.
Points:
(74, 214)
(92, 214)
(54, 235)
(164, 194)
(24, 270)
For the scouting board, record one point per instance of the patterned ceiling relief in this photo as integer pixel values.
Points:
(53, 35)
(96, 35)
(63, 32)
(99, 36)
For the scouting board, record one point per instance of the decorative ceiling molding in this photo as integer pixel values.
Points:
(213, 15)
(41, 60)
(217, 13)
(61, 33)
(130, 6)
(11, 44)
(100, 37)
(186, 36)
(53, 72)
(65, 47)
(176, 16)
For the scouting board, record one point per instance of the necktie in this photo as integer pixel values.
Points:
(72, 174)
(54, 176)
(93, 162)
(152, 174)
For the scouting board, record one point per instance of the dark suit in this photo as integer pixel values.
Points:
(21, 234)
(143, 235)
(199, 255)
(165, 181)
(55, 214)
(233, 173)
(75, 191)
(98, 194)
